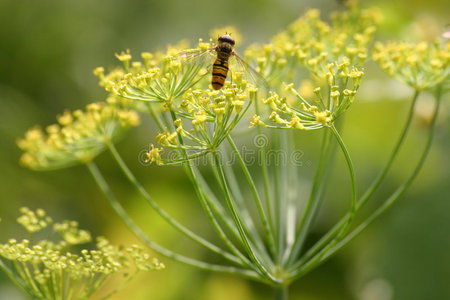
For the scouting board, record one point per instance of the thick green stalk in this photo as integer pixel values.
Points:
(281, 293)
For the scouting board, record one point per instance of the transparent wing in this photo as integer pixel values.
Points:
(253, 75)
(196, 56)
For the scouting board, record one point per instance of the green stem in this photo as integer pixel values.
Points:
(349, 217)
(247, 218)
(348, 160)
(238, 222)
(18, 281)
(281, 293)
(120, 286)
(328, 251)
(400, 190)
(310, 207)
(214, 203)
(370, 191)
(276, 201)
(376, 183)
(155, 116)
(262, 156)
(207, 204)
(130, 176)
(267, 232)
(106, 190)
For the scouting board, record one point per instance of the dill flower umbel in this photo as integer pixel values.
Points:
(78, 137)
(313, 43)
(49, 270)
(206, 118)
(328, 103)
(421, 66)
(158, 77)
(33, 221)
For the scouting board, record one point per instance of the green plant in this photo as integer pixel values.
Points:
(262, 226)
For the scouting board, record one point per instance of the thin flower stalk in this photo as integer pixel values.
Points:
(105, 188)
(336, 245)
(127, 172)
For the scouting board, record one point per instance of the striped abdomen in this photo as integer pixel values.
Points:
(219, 73)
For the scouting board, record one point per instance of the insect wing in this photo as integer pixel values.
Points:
(196, 61)
(253, 76)
(196, 56)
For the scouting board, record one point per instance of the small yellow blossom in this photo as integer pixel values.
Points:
(124, 56)
(256, 121)
(153, 155)
(33, 221)
(322, 117)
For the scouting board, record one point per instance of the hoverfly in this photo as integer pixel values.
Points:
(223, 51)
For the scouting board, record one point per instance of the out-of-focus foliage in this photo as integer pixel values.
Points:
(47, 52)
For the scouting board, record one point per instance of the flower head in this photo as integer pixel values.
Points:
(205, 119)
(420, 66)
(292, 110)
(78, 137)
(157, 77)
(33, 221)
(42, 268)
(313, 43)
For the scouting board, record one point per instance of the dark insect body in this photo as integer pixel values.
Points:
(224, 50)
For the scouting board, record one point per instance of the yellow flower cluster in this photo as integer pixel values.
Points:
(206, 117)
(78, 137)
(421, 66)
(294, 111)
(49, 271)
(33, 221)
(71, 234)
(313, 43)
(159, 77)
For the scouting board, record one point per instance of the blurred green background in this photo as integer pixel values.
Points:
(48, 50)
